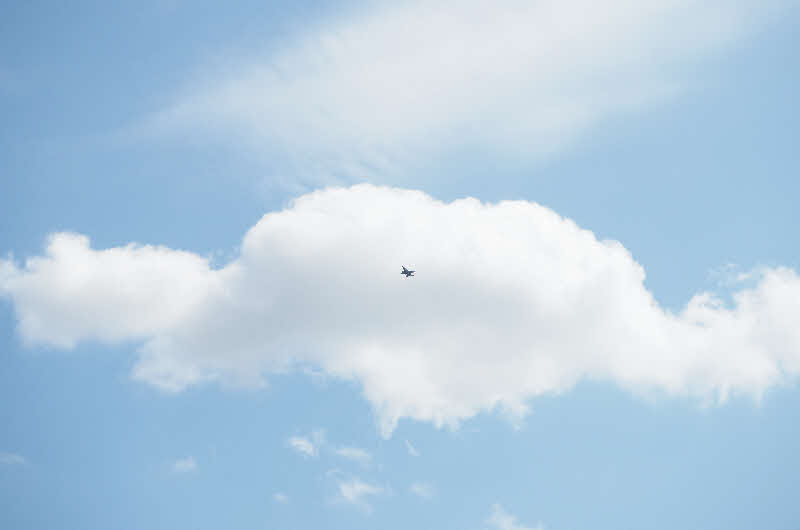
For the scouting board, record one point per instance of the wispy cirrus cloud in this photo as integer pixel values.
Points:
(392, 86)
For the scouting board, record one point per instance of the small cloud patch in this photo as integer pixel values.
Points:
(184, 465)
(356, 454)
(12, 459)
(502, 520)
(423, 490)
(356, 492)
(308, 446)
(280, 498)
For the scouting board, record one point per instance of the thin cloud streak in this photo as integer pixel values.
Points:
(355, 454)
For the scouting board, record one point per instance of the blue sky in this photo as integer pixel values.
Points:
(204, 214)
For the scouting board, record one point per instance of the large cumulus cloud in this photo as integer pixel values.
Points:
(511, 301)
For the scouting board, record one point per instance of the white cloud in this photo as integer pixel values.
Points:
(356, 454)
(280, 498)
(411, 449)
(500, 520)
(393, 82)
(424, 490)
(113, 291)
(308, 446)
(355, 491)
(12, 459)
(184, 465)
(513, 298)
(302, 445)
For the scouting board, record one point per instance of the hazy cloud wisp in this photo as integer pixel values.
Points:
(12, 459)
(280, 498)
(412, 451)
(423, 490)
(184, 465)
(517, 78)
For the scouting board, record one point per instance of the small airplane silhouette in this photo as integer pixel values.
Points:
(407, 272)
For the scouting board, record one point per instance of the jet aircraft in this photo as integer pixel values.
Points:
(407, 272)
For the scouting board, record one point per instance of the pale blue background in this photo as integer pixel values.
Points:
(687, 186)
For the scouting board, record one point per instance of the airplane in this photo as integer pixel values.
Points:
(407, 272)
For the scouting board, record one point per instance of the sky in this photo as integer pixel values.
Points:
(204, 211)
